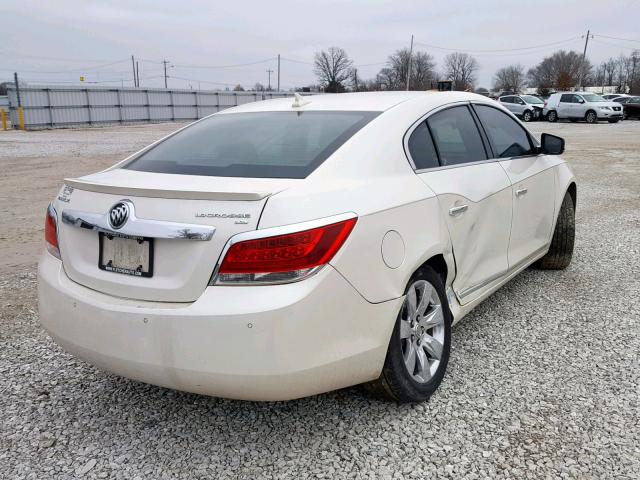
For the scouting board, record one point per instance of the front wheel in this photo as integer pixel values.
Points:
(591, 117)
(552, 116)
(420, 343)
(527, 116)
(561, 249)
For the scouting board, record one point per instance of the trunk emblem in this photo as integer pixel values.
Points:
(118, 215)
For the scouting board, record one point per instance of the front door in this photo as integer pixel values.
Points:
(533, 184)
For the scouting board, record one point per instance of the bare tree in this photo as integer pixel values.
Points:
(333, 69)
(238, 88)
(258, 87)
(461, 68)
(510, 78)
(560, 70)
(394, 75)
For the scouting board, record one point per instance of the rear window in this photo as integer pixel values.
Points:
(257, 144)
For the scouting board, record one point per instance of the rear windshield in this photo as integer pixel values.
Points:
(257, 144)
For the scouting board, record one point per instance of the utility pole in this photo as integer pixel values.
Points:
(20, 110)
(164, 63)
(584, 54)
(269, 71)
(409, 68)
(133, 66)
(278, 72)
(137, 75)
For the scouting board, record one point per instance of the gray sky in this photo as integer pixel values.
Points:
(73, 37)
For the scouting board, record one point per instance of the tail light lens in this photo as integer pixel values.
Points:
(283, 258)
(51, 232)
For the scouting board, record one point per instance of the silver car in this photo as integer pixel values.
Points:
(585, 106)
(527, 107)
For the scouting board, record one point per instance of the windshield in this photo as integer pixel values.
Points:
(257, 144)
(634, 100)
(591, 97)
(532, 100)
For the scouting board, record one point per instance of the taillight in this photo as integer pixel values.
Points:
(282, 258)
(51, 232)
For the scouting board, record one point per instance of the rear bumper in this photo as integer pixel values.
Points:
(255, 343)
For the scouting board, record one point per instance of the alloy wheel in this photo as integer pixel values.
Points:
(591, 117)
(527, 116)
(422, 331)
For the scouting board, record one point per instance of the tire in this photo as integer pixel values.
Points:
(396, 383)
(615, 120)
(561, 249)
(552, 116)
(527, 116)
(591, 117)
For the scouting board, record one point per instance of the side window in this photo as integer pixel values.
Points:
(567, 98)
(421, 148)
(519, 101)
(456, 136)
(509, 139)
(506, 99)
(578, 99)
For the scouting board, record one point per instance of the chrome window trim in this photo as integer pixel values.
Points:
(272, 232)
(414, 125)
(137, 227)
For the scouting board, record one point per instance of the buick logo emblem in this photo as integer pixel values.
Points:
(118, 215)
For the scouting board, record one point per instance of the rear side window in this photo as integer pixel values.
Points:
(421, 148)
(257, 144)
(567, 98)
(456, 136)
(507, 137)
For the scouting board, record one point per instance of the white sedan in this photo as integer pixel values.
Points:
(285, 248)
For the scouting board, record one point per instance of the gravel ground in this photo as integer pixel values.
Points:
(543, 382)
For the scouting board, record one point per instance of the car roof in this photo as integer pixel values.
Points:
(362, 101)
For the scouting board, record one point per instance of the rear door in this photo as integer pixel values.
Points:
(566, 105)
(474, 196)
(532, 179)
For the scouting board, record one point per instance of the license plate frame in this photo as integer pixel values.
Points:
(108, 264)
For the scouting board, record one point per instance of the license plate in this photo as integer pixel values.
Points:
(126, 255)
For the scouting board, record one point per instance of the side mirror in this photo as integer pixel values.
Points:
(551, 145)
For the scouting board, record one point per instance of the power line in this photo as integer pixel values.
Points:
(237, 65)
(618, 38)
(499, 50)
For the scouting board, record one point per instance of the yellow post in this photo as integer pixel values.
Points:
(21, 118)
(3, 115)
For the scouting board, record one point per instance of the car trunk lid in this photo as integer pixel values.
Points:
(180, 266)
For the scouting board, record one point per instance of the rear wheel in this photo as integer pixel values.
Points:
(552, 116)
(591, 117)
(561, 249)
(419, 348)
(527, 116)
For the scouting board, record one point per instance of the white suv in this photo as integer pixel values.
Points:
(581, 106)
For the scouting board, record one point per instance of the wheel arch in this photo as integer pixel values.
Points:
(438, 263)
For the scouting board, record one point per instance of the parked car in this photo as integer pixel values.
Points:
(613, 96)
(527, 107)
(276, 250)
(622, 100)
(585, 106)
(632, 108)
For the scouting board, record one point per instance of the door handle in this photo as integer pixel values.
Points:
(453, 211)
(521, 191)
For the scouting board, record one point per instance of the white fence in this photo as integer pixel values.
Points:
(50, 107)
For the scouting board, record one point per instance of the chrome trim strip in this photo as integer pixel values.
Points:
(272, 232)
(137, 227)
(506, 273)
